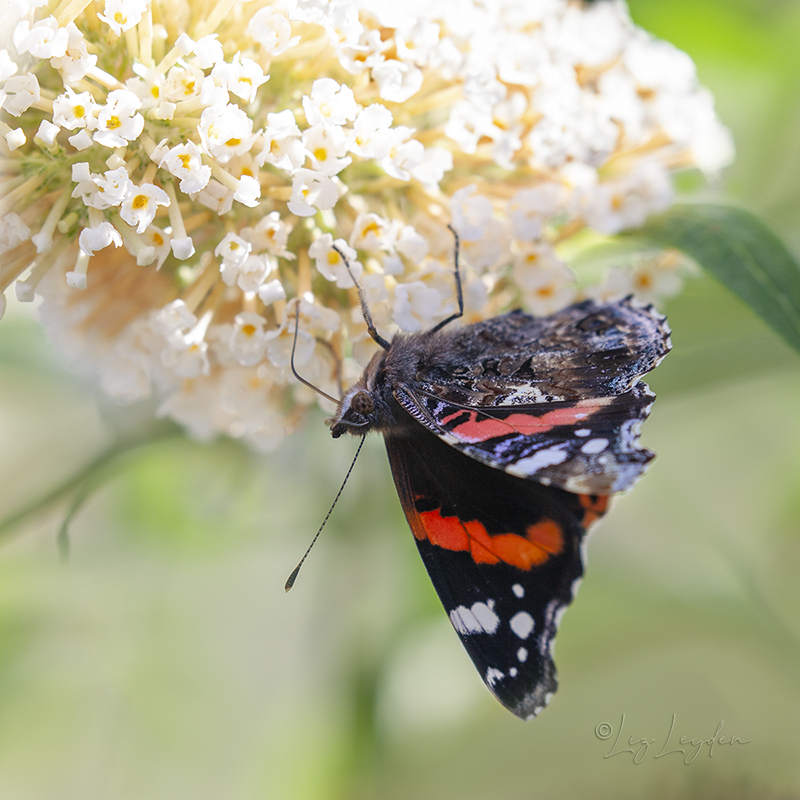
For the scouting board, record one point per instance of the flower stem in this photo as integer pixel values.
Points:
(25, 190)
(66, 13)
(82, 484)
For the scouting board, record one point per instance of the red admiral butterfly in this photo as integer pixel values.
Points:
(506, 438)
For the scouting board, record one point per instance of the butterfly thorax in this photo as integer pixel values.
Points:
(370, 403)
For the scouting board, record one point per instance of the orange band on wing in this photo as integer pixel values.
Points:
(595, 506)
(541, 540)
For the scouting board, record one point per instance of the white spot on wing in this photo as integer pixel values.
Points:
(594, 446)
(486, 616)
(513, 672)
(522, 655)
(522, 624)
(527, 394)
(493, 675)
(583, 432)
(463, 621)
(553, 612)
(629, 434)
(544, 458)
(478, 619)
(518, 590)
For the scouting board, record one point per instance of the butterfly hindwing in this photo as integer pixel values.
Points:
(584, 351)
(504, 555)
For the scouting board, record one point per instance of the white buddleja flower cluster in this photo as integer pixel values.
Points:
(178, 177)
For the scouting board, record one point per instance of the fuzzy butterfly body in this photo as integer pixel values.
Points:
(505, 439)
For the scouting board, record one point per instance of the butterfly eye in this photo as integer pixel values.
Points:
(594, 323)
(362, 403)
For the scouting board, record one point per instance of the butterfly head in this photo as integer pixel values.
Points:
(355, 414)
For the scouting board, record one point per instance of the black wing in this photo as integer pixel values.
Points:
(504, 555)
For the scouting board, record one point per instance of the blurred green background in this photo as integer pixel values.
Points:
(163, 659)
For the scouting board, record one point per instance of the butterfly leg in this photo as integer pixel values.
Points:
(459, 292)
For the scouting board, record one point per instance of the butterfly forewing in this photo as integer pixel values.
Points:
(585, 446)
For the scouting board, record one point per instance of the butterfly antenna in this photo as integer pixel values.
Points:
(291, 360)
(459, 292)
(293, 577)
(373, 332)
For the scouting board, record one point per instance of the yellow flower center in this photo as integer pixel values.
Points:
(372, 227)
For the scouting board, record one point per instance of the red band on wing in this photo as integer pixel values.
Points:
(481, 430)
(541, 540)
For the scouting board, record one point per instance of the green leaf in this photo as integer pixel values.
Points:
(741, 252)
